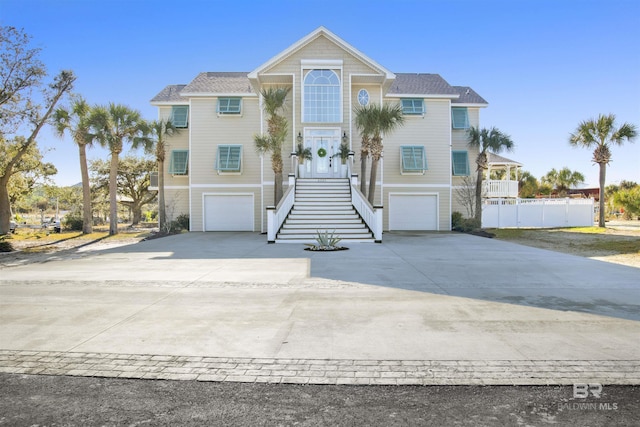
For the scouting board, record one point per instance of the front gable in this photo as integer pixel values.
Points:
(320, 46)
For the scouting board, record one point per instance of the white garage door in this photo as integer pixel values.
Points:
(413, 212)
(228, 212)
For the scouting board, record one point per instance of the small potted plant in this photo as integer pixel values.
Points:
(303, 154)
(343, 152)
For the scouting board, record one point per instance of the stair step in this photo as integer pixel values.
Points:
(324, 226)
(323, 197)
(312, 236)
(319, 223)
(336, 231)
(322, 215)
(315, 242)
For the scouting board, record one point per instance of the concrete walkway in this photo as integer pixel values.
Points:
(420, 308)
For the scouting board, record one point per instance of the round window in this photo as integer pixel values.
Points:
(363, 97)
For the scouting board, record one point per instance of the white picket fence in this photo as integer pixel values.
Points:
(537, 213)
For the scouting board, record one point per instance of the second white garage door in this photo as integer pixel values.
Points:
(228, 212)
(413, 211)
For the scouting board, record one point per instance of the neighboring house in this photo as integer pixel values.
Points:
(214, 174)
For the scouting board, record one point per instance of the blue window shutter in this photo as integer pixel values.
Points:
(179, 162)
(229, 105)
(459, 118)
(229, 158)
(460, 163)
(413, 158)
(179, 116)
(412, 106)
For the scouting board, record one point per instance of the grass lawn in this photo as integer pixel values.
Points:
(590, 242)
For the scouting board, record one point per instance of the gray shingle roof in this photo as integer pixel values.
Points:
(231, 82)
(238, 82)
(421, 84)
(467, 96)
(495, 158)
(170, 93)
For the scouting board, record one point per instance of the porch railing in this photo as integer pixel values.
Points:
(371, 215)
(500, 188)
(277, 214)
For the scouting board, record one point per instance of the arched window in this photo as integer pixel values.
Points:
(322, 97)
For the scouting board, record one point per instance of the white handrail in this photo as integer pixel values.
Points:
(276, 215)
(372, 216)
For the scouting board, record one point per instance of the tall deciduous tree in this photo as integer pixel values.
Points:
(75, 121)
(160, 130)
(600, 134)
(486, 140)
(134, 179)
(21, 73)
(273, 100)
(113, 126)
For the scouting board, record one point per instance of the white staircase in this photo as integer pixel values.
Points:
(321, 205)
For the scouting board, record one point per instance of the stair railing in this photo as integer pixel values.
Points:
(371, 215)
(276, 215)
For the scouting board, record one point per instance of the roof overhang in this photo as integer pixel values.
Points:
(219, 95)
(424, 95)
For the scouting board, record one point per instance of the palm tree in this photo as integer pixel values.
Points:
(486, 140)
(113, 125)
(374, 121)
(563, 180)
(160, 130)
(364, 121)
(600, 134)
(75, 120)
(273, 100)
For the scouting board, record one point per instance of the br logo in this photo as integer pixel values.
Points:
(581, 391)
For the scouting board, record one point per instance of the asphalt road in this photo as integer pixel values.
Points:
(70, 401)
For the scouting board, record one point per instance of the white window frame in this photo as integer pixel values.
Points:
(306, 71)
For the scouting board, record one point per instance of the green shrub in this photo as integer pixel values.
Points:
(180, 223)
(459, 223)
(73, 222)
(5, 244)
(456, 220)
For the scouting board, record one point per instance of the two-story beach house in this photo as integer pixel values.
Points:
(215, 175)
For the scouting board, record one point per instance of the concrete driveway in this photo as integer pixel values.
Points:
(415, 297)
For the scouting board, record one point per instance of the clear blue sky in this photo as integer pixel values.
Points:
(543, 65)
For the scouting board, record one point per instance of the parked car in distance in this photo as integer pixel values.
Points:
(12, 226)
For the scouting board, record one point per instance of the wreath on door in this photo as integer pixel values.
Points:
(322, 152)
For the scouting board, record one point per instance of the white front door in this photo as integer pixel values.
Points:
(324, 144)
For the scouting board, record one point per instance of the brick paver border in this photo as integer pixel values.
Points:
(322, 371)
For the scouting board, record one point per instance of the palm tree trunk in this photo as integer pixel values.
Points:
(363, 175)
(87, 212)
(603, 173)
(479, 196)
(162, 209)
(277, 188)
(372, 179)
(113, 191)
